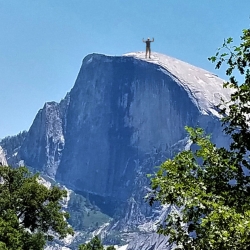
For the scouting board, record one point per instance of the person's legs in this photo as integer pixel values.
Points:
(146, 52)
(149, 50)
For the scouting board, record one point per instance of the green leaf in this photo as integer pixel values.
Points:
(229, 40)
(208, 185)
(30, 212)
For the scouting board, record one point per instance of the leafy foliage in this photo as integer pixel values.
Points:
(209, 189)
(110, 248)
(30, 213)
(95, 244)
(236, 120)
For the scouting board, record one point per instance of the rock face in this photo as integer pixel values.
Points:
(2, 157)
(123, 116)
(44, 143)
(123, 111)
(153, 241)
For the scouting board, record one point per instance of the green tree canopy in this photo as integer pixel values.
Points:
(110, 248)
(95, 244)
(209, 189)
(30, 213)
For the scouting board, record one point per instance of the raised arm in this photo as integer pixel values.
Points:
(153, 40)
(143, 40)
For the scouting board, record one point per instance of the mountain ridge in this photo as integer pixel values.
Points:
(124, 116)
(200, 84)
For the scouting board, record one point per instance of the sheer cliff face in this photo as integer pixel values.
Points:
(121, 111)
(3, 160)
(124, 116)
(44, 143)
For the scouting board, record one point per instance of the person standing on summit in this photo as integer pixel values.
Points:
(148, 49)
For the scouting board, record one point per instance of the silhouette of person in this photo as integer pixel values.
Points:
(148, 49)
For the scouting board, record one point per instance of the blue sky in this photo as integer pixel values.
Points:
(43, 42)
